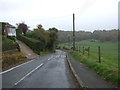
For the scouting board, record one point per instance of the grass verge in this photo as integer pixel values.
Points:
(108, 68)
(104, 69)
(42, 53)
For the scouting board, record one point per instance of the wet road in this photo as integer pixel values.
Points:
(49, 71)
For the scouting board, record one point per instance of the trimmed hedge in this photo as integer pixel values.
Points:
(32, 43)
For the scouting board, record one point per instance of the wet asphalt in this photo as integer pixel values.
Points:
(49, 71)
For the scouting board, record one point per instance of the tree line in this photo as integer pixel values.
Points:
(97, 35)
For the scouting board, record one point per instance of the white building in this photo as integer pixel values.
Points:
(10, 30)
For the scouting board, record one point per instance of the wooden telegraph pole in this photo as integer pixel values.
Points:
(73, 32)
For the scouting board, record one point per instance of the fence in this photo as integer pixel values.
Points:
(85, 50)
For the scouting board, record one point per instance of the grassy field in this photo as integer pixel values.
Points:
(108, 68)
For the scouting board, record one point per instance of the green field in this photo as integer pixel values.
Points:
(108, 68)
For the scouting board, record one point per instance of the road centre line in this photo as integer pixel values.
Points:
(53, 57)
(50, 58)
(29, 73)
(58, 56)
(15, 67)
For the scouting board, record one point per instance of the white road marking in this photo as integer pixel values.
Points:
(15, 67)
(29, 73)
(29, 54)
(57, 56)
(54, 57)
(63, 56)
(50, 58)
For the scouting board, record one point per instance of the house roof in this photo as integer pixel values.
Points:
(10, 26)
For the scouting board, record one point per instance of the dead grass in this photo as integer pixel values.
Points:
(12, 60)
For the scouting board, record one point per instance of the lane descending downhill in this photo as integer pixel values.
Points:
(49, 71)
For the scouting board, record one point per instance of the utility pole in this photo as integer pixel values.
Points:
(73, 32)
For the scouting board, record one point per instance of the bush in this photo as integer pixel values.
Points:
(11, 37)
(32, 43)
(47, 38)
(18, 31)
(8, 44)
(40, 35)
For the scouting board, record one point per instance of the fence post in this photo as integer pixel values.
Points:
(79, 48)
(83, 49)
(88, 51)
(99, 56)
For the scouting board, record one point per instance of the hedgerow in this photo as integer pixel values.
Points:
(34, 44)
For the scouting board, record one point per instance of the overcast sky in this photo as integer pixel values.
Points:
(90, 14)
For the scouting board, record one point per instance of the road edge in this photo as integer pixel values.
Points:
(16, 66)
(81, 84)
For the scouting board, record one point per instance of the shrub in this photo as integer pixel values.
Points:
(18, 31)
(8, 44)
(40, 35)
(11, 37)
(32, 43)
(47, 38)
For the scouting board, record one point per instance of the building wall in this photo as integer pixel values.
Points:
(6, 31)
(11, 31)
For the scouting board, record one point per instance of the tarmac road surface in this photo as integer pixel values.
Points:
(49, 71)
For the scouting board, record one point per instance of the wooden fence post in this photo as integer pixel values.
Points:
(88, 51)
(83, 49)
(99, 56)
(79, 48)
